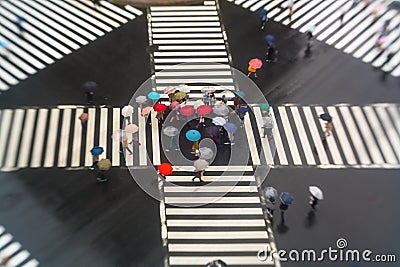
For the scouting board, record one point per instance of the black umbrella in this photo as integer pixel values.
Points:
(326, 117)
(216, 263)
(89, 86)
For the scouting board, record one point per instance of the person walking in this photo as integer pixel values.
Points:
(102, 176)
(271, 205)
(388, 58)
(341, 17)
(84, 119)
(251, 71)
(160, 117)
(124, 144)
(290, 5)
(20, 21)
(313, 202)
(90, 97)
(198, 175)
(195, 148)
(328, 128)
(206, 99)
(286, 199)
(283, 207)
(95, 160)
(264, 19)
(271, 53)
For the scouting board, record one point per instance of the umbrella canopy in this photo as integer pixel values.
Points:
(104, 164)
(141, 99)
(206, 153)
(84, 116)
(146, 111)
(216, 263)
(97, 150)
(203, 110)
(221, 109)
(169, 90)
(200, 164)
(184, 88)
(286, 198)
(131, 128)
(230, 127)
(118, 135)
(316, 192)
(127, 111)
(243, 110)
(264, 106)
(159, 107)
(170, 131)
(174, 105)
(228, 94)
(269, 38)
(208, 89)
(267, 122)
(326, 117)
(198, 103)
(89, 86)
(255, 63)
(312, 28)
(165, 169)
(219, 121)
(187, 111)
(180, 95)
(270, 192)
(153, 95)
(193, 135)
(261, 11)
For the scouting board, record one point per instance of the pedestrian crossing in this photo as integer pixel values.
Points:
(362, 137)
(35, 34)
(12, 254)
(350, 26)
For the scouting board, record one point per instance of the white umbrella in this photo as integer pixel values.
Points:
(208, 89)
(219, 121)
(270, 192)
(127, 111)
(170, 131)
(200, 164)
(221, 109)
(228, 94)
(119, 135)
(184, 88)
(267, 122)
(316, 192)
(206, 153)
(141, 99)
(198, 103)
(169, 89)
(131, 128)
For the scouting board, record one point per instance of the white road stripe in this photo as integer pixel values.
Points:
(237, 178)
(213, 211)
(316, 136)
(3, 86)
(264, 141)
(255, 158)
(129, 158)
(14, 139)
(90, 136)
(77, 141)
(216, 223)
(289, 135)
(181, 8)
(36, 158)
(204, 189)
(51, 138)
(278, 141)
(142, 139)
(17, 62)
(303, 136)
(18, 258)
(155, 139)
(5, 239)
(186, 24)
(367, 134)
(64, 138)
(26, 141)
(193, 80)
(313, 12)
(259, 5)
(298, 13)
(184, 14)
(7, 77)
(220, 247)
(115, 143)
(12, 69)
(229, 260)
(188, 41)
(394, 113)
(10, 249)
(133, 10)
(249, 3)
(186, 35)
(190, 53)
(103, 132)
(218, 235)
(191, 60)
(6, 119)
(191, 47)
(185, 30)
(390, 130)
(105, 11)
(342, 137)
(212, 200)
(177, 18)
(168, 73)
(117, 10)
(31, 263)
(354, 135)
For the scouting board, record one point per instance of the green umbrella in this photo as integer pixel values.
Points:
(104, 164)
(264, 106)
(180, 95)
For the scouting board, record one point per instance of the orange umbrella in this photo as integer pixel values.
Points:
(165, 169)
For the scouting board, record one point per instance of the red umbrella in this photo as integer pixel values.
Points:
(255, 63)
(174, 105)
(159, 107)
(165, 169)
(203, 110)
(187, 111)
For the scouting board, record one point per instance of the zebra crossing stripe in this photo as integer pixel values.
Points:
(115, 143)
(394, 138)
(142, 139)
(218, 235)
(36, 158)
(103, 131)
(64, 138)
(52, 138)
(278, 141)
(251, 140)
(155, 139)
(289, 135)
(264, 141)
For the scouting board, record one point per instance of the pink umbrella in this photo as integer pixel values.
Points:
(187, 111)
(146, 111)
(174, 105)
(255, 63)
(203, 110)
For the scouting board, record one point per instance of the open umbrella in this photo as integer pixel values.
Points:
(264, 106)
(127, 111)
(198, 103)
(118, 135)
(97, 150)
(131, 128)
(269, 38)
(153, 95)
(267, 122)
(174, 105)
(208, 89)
(325, 117)
(228, 94)
(270, 192)
(216, 263)
(193, 135)
(316, 192)
(146, 111)
(104, 164)
(286, 198)
(221, 109)
(187, 111)
(206, 153)
(89, 86)
(243, 110)
(255, 63)
(219, 121)
(170, 131)
(159, 107)
(141, 99)
(165, 169)
(200, 164)
(262, 11)
(203, 110)
(169, 90)
(230, 127)
(184, 88)
(180, 95)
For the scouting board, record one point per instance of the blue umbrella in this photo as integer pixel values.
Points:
(230, 127)
(286, 198)
(269, 38)
(326, 117)
(153, 95)
(243, 110)
(193, 135)
(97, 150)
(262, 11)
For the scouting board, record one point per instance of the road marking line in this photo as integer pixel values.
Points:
(155, 139)
(14, 140)
(218, 235)
(64, 138)
(115, 143)
(207, 189)
(215, 200)
(229, 260)
(103, 132)
(390, 130)
(289, 135)
(278, 141)
(27, 134)
(36, 158)
(214, 211)
(77, 141)
(255, 158)
(52, 138)
(216, 223)
(142, 139)
(90, 136)
(237, 178)
(219, 247)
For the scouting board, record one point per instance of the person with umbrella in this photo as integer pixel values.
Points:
(127, 112)
(194, 136)
(165, 169)
(270, 195)
(96, 152)
(263, 16)
(172, 132)
(286, 199)
(290, 5)
(315, 195)
(199, 167)
(328, 125)
(160, 108)
(216, 263)
(89, 88)
(231, 129)
(84, 119)
(133, 129)
(242, 113)
(104, 166)
(271, 53)
(124, 144)
(267, 126)
(254, 64)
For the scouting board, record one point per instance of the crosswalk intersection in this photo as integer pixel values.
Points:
(362, 26)
(35, 34)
